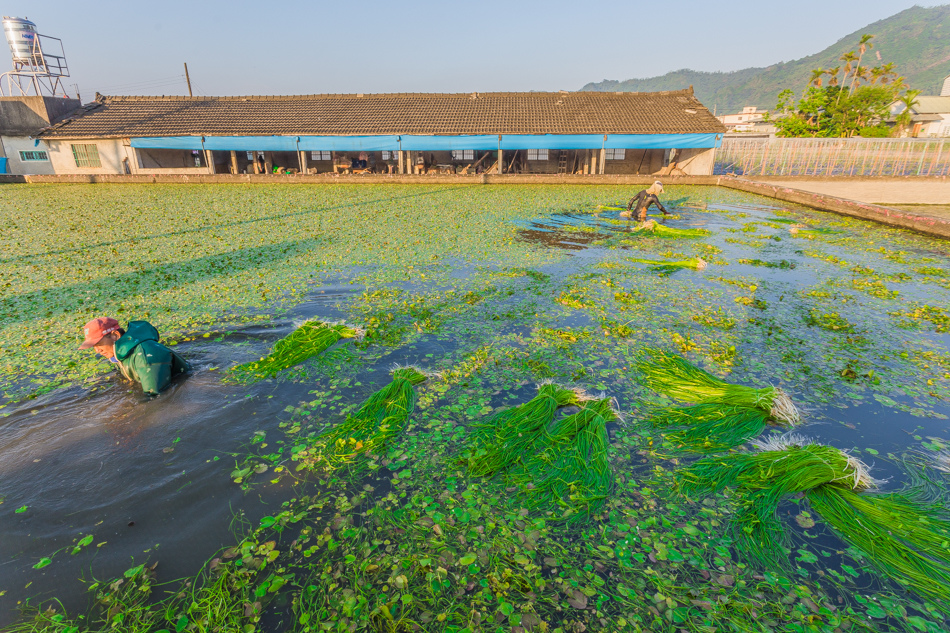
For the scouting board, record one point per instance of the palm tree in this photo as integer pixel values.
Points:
(887, 73)
(863, 46)
(816, 76)
(833, 73)
(908, 100)
(847, 58)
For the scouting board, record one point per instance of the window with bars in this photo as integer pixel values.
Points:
(463, 154)
(320, 155)
(86, 155)
(33, 155)
(387, 155)
(537, 154)
(615, 154)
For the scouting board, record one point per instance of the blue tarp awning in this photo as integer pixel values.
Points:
(416, 142)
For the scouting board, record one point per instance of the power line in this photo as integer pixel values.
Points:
(158, 82)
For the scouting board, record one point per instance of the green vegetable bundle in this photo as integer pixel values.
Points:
(383, 416)
(571, 476)
(668, 266)
(712, 426)
(511, 434)
(308, 340)
(660, 230)
(906, 540)
(677, 378)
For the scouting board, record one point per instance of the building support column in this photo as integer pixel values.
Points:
(234, 164)
(209, 159)
(602, 162)
(268, 163)
(501, 161)
(399, 162)
(302, 158)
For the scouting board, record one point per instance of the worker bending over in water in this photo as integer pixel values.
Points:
(137, 352)
(638, 205)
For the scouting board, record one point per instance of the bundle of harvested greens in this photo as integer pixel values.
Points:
(383, 416)
(666, 266)
(308, 340)
(904, 539)
(572, 475)
(677, 378)
(661, 230)
(506, 436)
(711, 426)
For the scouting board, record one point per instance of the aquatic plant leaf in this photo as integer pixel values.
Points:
(43, 563)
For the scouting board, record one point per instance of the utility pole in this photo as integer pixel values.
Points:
(188, 79)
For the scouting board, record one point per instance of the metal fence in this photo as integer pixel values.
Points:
(833, 157)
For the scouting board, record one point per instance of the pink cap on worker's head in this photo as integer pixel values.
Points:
(96, 329)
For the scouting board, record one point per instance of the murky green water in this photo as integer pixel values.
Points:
(497, 288)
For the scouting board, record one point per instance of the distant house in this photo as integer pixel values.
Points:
(744, 121)
(930, 118)
(509, 132)
(21, 120)
(946, 87)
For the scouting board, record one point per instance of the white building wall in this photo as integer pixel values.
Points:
(114, 156)
(13, 145)
(696, 162)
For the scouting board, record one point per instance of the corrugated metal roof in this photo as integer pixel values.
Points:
(675, 112)
(932, 105)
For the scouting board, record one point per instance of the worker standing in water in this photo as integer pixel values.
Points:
(638, 205)
(136, 351)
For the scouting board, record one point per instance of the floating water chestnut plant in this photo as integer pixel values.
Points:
(571, 477)
(383, 416)
(507, 436)
(661, 230)
(667, 266)
(677, 378)
(904, 539)
(310, 339)
(711, 426)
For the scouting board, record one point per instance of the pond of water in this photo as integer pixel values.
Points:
(849, 318)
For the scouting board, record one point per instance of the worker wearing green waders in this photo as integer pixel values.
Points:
(136, 351)
(638, 205)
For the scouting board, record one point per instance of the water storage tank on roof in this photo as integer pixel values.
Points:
(20, 35)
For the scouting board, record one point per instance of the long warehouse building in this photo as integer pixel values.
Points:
(510, 132)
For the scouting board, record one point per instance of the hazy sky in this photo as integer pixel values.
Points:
(239, 47)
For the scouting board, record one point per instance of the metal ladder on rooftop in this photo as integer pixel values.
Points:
(562, 162)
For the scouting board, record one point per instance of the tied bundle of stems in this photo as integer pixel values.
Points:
(572, 475)
(670, 266)
(710, 427)
(660, 230)
(674, 376)
(310, 339)
(508, 435)
(904, 539)
(383, 416)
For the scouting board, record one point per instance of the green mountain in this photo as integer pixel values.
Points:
(916, 40)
